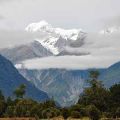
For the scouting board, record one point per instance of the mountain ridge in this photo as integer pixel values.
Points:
(65, 36)
(10, 79)
(72, 82)
(24, 52)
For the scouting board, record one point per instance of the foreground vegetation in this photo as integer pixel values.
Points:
(96, 102)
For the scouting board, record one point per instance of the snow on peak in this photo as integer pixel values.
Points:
(68, 34)
(40, 26)
(110, 30)
(43, 26)
(56, 38)
(49, 43)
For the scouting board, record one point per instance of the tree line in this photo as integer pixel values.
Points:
(95, 102)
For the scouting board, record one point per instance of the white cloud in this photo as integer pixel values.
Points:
(103, 49)
(11, 38)
(69, 62)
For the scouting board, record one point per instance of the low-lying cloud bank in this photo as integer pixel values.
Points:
(68, 62)
(104, 51)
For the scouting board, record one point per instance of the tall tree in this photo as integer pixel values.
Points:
(96, 94)
(1, 95)
(115, 95)
(2, 104)
(20, 91)
(94, 82)
(115, 100)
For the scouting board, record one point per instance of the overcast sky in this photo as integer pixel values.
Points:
(85, 14)
(89, 15)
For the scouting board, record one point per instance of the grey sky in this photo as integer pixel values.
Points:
(1, 17)
(85, 14)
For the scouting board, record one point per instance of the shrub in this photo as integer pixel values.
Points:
(93, 112)
(75, 114)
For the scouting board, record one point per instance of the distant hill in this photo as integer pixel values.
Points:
(111, 75)
(10, 79)
(24, 52)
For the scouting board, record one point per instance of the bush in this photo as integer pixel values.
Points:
(50, 113)
(93, 112)
(23, 108)
(65, 113)
(117, 113)
(75, 114)
(79, 108)
(9, 111)
(2, 107)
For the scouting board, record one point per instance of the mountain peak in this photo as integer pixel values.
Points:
(39, 26)
(44, 26)
(56, 39)
(43, 22)
(110, 30)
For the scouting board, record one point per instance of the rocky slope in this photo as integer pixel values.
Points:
(64, 85)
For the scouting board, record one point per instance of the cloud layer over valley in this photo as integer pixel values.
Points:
(103, 51)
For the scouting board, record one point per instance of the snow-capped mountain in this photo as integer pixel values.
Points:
(62, 83)
(48, 41)
(56, 39)
(111, 30)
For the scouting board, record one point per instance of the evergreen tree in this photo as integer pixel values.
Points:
(1, 95)
(96, 94)
(2, 104)
(114, 105)
(20, 91)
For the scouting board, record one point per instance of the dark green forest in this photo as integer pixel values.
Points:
(95, 102)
